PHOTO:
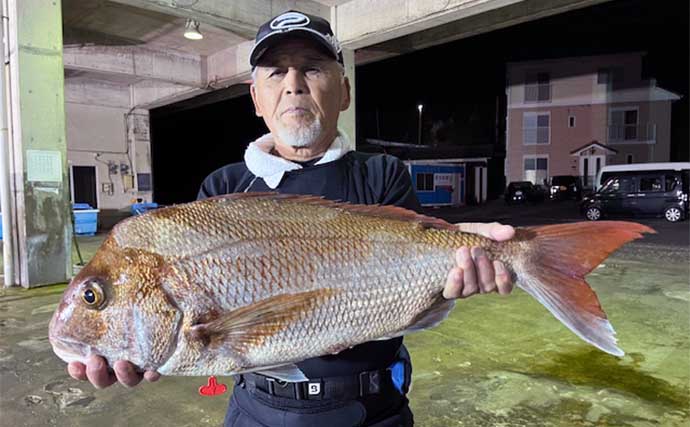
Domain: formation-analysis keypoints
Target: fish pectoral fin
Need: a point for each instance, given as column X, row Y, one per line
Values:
column 249, row 326
column 289, row 373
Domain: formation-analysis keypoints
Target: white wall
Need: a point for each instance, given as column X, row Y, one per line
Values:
column 97, row 135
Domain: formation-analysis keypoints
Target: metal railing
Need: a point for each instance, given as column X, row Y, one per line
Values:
column 630, row 133
column 538, row 92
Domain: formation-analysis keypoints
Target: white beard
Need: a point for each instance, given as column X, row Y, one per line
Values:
column 302, row 136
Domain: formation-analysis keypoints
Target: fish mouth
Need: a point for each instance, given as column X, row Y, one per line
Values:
column 70, row 350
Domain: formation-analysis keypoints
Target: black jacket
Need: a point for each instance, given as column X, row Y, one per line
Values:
column 356, row 178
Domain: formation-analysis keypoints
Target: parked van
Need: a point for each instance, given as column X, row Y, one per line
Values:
column 608, row 171
column 640, row 192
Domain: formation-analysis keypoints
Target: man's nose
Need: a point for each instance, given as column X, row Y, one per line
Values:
column 295, row 83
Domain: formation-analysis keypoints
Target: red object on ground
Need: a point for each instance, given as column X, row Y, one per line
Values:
column 212, row 388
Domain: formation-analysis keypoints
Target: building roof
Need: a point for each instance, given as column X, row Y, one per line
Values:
column 406, row 151
column 593, row 144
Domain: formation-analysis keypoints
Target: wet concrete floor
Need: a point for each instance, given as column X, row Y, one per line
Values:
column 496, row 361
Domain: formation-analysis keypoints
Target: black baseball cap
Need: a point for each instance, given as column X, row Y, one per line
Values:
column 294, row 23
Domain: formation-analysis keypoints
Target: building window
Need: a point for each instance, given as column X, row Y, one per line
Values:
column 425, row 182
column 536, row 169
column 623, row 125
column 537, row 87
column 571, row 121
column 144, row 181
column 535, row 128
column 612, row 77
column 629, row 158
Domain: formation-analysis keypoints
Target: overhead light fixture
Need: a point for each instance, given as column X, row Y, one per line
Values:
column 191, row 30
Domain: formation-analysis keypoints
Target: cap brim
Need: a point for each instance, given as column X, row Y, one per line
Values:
column 274, row 38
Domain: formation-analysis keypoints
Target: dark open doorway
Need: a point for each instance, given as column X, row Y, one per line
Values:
column 192, row 138
column 84, row 185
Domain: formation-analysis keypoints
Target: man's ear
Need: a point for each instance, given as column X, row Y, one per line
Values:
column 345, row 100
column 257, row 107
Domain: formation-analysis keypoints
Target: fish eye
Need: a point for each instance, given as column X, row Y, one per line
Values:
column 93, row 295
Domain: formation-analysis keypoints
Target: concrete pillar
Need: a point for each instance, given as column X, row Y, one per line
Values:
column 347, row 119
column 40, row 193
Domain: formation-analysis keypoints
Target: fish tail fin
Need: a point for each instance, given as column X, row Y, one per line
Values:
column 558, row 258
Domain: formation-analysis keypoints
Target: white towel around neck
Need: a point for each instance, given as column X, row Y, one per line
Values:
column 271, row 169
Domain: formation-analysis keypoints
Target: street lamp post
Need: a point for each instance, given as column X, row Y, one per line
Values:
column 420, row 107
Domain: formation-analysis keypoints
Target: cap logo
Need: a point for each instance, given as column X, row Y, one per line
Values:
column 289, row 20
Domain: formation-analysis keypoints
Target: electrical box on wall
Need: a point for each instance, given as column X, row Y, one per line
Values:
column 124, row 169
column 127, row 182
column 107, row 188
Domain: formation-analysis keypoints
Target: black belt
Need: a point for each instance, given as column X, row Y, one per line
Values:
column 337, row 388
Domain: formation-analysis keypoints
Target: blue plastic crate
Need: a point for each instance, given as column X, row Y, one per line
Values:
column 85, row 220
column 140, row 208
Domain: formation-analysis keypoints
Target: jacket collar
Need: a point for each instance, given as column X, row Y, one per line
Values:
column 271, row 168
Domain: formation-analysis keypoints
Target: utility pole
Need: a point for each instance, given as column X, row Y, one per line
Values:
column 420, row 107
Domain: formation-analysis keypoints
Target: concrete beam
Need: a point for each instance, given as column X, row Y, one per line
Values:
column 94, row 92
column 151, row 94
column 229, row 66
column 362, row 23
column 242, row 17
column 139, row 63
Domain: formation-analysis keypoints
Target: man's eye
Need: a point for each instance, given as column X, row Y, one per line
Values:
column 313, row 70
column 275, row 73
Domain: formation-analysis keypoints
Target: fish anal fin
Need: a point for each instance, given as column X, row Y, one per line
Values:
column 249, row 326
column 433, row 315
column 289, row 373
column 439, row 309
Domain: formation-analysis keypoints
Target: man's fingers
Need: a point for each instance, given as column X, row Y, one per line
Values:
column 77, row 370
column 453, row 287
column 485, row 271
column 97, row 372
column 504, row 282
column 125, row 373
column 492, row 230
column 152, row 376
column 469, row 274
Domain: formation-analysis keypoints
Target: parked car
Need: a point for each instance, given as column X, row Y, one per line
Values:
column 565, row 187
column 608, row 171
column 640, row 193
column 524, row 191
column 538, row 195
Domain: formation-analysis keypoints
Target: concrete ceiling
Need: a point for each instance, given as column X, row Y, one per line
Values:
column 138, row 46
column 105, row 23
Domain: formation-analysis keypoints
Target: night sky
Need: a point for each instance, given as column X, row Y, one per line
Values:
column 461, row 85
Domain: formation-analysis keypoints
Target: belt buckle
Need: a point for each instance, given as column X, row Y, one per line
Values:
column 369, row 383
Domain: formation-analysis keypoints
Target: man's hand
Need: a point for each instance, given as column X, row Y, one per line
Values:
column 474, row 272
column 96, row 371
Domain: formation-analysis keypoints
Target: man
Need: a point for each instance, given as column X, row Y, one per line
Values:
column 299, row 89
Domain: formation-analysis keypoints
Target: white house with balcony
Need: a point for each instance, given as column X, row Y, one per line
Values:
column 571, row 116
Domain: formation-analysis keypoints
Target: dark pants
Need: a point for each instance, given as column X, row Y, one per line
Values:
column 262, row 410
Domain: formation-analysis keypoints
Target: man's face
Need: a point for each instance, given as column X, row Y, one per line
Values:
column 299, row 91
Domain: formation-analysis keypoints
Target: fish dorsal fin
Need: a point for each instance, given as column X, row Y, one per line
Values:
column 379, row 211
column 250, row 325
